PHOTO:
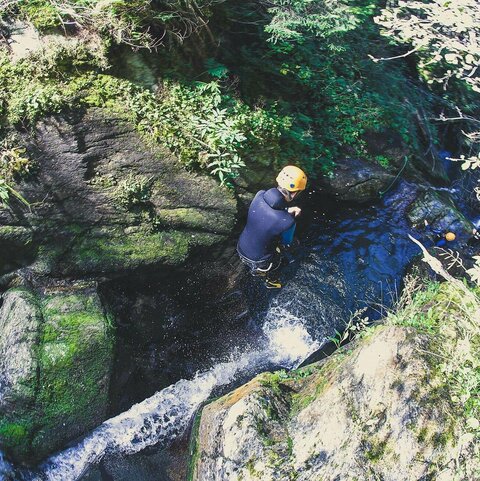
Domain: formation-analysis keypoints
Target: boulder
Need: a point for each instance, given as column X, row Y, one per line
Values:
column 104, row 202
column 356, row 180
column 375, row 411
column 56, row 352
column 441, row 213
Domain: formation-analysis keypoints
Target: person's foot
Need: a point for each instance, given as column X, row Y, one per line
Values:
column 271, row 284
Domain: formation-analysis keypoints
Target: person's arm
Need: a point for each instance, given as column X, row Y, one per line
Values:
column 286, row 238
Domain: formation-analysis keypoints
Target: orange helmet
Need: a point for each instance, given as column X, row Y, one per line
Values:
column 292, row 178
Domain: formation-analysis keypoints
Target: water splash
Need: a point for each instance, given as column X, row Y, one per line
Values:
column 166, row 414
column 288, row 339
column 6, row 470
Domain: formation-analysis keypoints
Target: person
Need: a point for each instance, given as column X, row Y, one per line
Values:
column 271, row 225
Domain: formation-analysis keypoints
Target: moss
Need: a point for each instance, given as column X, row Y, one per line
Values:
column 422, row 435
column 270, row 409
column 263, row 433
column 13, row 433
column 17, row 234
column 303, row 399
column 102, row 251
column 194, row 446
column 186, row 217
column 375, row 450
column 250, row 465
column 74, row 355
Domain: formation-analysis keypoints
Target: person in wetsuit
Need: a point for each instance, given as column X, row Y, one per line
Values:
column 271, row 224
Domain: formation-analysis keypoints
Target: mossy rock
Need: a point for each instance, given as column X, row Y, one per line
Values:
column 349, row 417
column 61, row 364
column 106, row 203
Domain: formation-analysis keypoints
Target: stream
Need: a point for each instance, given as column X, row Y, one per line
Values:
column 349, row 257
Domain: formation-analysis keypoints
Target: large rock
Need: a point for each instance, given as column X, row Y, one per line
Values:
column 103, row 202
column 441, row 213
column 56, row 351
column 356, row 180
column 374, row 412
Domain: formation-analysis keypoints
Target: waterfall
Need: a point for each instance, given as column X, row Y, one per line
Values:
column 166, row 414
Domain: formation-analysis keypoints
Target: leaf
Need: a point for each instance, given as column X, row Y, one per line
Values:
column 216, row 69
column 473, row 423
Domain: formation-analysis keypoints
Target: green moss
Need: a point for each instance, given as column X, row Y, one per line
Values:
column 13, row 433
column 263, row 433
column 17, row 234
column 70, row 394
column 250, row 465
column 186, row 217
column 422, row 435
column 375, row 450
column 194, row 448
column 43, row 15
column 103, row 251
column 75, row 355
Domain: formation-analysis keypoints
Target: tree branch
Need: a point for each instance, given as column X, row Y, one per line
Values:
column 376, row 60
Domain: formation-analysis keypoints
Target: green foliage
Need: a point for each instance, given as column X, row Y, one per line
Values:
column 134, row 190
column 304, row 100
column 204, row 127
column 45, row 82
column 445, row 37
column 215, row 69
column 313, row 57
column 383, row 161
column 138, row 23
column 357, row 324
column 43, row 14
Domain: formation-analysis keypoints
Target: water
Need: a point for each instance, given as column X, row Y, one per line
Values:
column 349, row 258
column 166, row 415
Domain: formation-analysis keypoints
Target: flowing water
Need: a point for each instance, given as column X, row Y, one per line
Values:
column 349, row 257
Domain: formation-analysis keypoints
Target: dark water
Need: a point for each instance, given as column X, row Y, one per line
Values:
column 349, row 257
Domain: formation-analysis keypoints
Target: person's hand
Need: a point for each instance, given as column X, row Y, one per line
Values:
column 295, row 211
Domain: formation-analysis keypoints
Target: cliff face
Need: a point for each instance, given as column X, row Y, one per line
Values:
column 376, row 411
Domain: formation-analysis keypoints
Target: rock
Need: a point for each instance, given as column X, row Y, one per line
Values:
column 356, row 180
column 104, row 203
column 418, row 168
column 373, row 412
column 20, row 324
column 56, row 351
column 439, row 210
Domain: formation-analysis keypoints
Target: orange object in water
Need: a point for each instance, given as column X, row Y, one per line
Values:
column 450, row 236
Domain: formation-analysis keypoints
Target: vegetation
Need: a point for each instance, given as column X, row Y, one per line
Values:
column 138, row 23
column 449, row 314
column 279, row 87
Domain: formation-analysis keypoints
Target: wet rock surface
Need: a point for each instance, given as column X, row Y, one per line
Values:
column 103, row 202
column 441, row 214
column 56, row 352
column 356, row 180
column 372, row 412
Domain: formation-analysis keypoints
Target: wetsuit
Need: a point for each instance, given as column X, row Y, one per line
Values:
column 268, row 224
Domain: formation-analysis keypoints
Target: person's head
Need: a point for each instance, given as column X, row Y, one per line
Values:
column 291, row 181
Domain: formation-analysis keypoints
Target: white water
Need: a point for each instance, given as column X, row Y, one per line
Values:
column 5, row 468
column 167, row 413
